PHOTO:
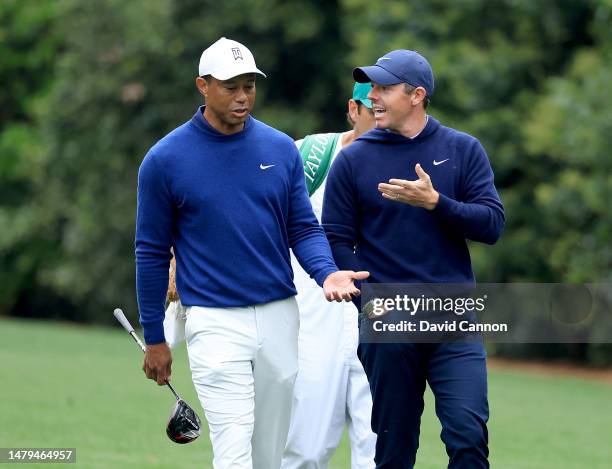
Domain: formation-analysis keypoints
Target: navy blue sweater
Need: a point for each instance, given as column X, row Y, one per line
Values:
column 399, row 243
column 232, row 206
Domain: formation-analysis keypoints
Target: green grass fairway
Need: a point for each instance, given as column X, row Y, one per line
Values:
column 72, row 386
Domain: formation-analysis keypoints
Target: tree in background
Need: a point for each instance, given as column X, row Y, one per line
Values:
column 526, row 78
column 570, row 131
column 90, row 86
column 29, row 47
column 125, row 78
column 491, row 61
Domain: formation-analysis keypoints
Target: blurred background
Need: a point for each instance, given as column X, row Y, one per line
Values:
column 88, row 86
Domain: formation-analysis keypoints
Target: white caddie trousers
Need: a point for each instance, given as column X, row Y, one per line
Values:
column 243, row 365
column 331, row 389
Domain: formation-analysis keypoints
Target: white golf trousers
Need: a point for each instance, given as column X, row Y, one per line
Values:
column 331, row 389
column 243, row 364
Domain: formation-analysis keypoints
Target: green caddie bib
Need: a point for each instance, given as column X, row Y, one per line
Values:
column 317, row 151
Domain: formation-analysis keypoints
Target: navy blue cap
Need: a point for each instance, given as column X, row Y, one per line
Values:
column 398, row 66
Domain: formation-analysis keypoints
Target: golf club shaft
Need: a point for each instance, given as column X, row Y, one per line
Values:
column 138, row 341
column 118, row 313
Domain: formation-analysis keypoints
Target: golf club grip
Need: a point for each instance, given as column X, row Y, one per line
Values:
column 128, row 327
column 119, row 316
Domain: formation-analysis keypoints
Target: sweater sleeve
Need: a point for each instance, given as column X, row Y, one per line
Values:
column 154, row 220
column 478, row 214
column 339, row 216
column 306, row 237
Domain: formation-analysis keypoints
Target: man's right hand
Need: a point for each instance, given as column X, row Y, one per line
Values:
column 158, row 363
column 340, row 285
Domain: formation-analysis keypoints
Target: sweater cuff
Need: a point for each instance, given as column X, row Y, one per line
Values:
column 154, row 333
column 320, row 278
column 444, row 207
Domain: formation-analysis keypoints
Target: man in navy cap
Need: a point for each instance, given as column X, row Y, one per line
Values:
column 401, row 202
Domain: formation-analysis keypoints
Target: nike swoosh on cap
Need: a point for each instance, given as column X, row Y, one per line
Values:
column 436, row 163
column 262, row 166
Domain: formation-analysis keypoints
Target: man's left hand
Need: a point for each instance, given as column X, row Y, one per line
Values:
column 419, row 193
column 339, row 286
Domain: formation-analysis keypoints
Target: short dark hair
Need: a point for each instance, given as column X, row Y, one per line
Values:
column 409, row 89
column 348, row 116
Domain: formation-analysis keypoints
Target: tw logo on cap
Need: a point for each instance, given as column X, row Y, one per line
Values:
column 237, row 54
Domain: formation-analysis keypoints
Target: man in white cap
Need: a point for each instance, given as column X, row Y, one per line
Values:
column 227, row 193
column 331, row 388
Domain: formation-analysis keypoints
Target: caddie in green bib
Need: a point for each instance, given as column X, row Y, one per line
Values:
column 316, row 152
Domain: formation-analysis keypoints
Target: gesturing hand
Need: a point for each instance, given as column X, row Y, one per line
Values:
column 419, row 193
column 339, row 286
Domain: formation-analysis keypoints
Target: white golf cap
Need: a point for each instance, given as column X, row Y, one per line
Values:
column 226, row 59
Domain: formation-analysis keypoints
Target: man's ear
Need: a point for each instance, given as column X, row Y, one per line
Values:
column 202, row 86
column 353, row 109
column 418, row 96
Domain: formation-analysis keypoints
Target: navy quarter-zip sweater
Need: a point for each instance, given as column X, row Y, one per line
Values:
column 399, row 243
column 232, row 206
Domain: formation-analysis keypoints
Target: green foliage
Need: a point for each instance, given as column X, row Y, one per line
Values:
column 571, row 127
column 29, row 47
column 88, row 87
column 490, row 60
column 102, row 117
